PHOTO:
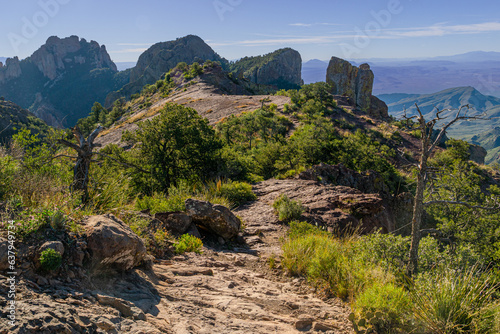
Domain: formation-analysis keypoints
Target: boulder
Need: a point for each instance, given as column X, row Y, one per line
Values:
column 4, row 253
column 55, row 245
column 477, row 154
column 216, row 218
column 175, row 222
column 113, row 245
column 378, row 108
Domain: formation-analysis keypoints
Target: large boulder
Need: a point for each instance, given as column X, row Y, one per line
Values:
column 175, row 222
column 113, row 245
column 216, row 218
column 4, row 253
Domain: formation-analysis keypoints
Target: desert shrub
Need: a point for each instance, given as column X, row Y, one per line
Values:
column 299, row 229
column 236, row 193
column 383, row 308
column 50, row 259
column 456, row 301
column 287, row 209
column 188, row 243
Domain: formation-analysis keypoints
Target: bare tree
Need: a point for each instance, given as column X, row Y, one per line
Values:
column 428, row 146
column 84, row 149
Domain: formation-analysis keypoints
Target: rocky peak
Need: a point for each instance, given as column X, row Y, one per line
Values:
column 357, row 84
column 57, row 54
column 161, row 57
column 12, row 69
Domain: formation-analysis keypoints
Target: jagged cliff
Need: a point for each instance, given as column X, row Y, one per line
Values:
column 161, row 58
column 357, row 84
column 281, row 68
column 61, row 80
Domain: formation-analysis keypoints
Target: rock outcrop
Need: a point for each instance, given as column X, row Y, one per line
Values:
column 113, row 244
column 477, row 153
column 281, row 69
column 161, row 58
column 357, row 84
column 57, row 54
column 216, row 218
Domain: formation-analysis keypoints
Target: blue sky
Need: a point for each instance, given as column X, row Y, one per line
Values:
column 236, row 28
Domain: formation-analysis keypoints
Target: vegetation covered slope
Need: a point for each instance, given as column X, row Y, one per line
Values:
column 179, row 155
column 14, row 118
column 482, row 133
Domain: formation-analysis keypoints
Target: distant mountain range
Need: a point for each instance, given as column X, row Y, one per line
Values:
column 483, row 133
column 122, row 66
column 424, row 76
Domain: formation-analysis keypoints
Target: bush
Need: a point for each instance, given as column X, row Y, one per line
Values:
column 236, row 192
column 287, row 209
column 456, row 301
column 50, row 259
column 383, row 308
column 188, row 243
column 300, row 229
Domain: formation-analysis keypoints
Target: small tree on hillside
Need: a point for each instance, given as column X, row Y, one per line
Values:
column 428, row 145
column 84, row 149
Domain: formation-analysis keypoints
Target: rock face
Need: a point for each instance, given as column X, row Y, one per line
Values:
column 176, row 222
column 61, row 80
column 366, row 182
column 477, row 153
column 357, row 84
column 281, row 68
column 113, row 244
column 57, row 54
column 161, row 58
column 216, row 218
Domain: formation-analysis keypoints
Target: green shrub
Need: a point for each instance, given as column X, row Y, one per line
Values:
column 50, row 259
column 287, row 209
column 456, row 301
column 236, row 192
column 384, row 308
column 188, row 243
column 299, row 229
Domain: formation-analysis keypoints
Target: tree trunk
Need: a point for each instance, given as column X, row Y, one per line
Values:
column 418, row 208
column 82, row 166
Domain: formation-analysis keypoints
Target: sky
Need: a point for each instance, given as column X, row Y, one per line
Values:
column 356, row 29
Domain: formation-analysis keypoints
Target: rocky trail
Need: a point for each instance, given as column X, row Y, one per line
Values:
column 227, row 289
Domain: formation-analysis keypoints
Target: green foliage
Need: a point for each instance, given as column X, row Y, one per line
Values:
column 300, row 229
column 248, row 65
column 383, row 308
column 287, row 209
column 236, row 192
column 178, row 144
column 102, row 116
column 456, row 302
column 177, row 195
column 50, row 260
column 188, row 243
